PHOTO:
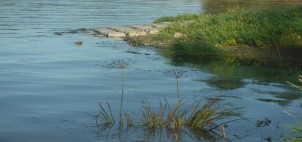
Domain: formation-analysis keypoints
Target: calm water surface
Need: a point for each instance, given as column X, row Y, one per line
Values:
column 50, row 87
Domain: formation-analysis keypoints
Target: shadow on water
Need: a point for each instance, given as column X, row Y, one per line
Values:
column 225, row 83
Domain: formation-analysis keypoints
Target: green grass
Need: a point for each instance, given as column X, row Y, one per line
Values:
column 196, row 116
column 268, row 30
column 297, row 129
column 197, row 48
column 179, row 18
column 273, row 27
column 201, row 120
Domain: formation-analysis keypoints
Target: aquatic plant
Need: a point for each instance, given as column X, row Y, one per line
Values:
column 297, row 129
column 195, row 116
column 263, row 123
column 106, row 116
column 177, row 73
column 296, row 86
column 119, row 64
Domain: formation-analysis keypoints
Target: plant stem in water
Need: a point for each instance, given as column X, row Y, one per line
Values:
column 177, row 88
column 122, row 98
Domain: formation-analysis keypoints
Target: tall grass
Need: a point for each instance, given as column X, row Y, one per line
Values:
column 105, row 115
column 197, row 48
column 117, row 64
column 267, row 29
column 296, row 86
column 195, row 116
column 179, row 18
column 295, row 129
column 177, row 73
column 202, row 120
column 272, row 27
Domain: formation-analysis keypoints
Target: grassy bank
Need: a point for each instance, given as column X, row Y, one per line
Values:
column 270, row 36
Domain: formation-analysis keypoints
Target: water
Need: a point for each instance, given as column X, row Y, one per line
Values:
column 50, row 87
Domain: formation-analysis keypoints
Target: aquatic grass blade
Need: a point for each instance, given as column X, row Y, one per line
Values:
column 104, row 115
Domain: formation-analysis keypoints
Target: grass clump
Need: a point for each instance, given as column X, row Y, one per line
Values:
column 197, row 48
column 178, row 18
column 201, row 121
column 105, row 116
column 196, row 116
column 270, row 30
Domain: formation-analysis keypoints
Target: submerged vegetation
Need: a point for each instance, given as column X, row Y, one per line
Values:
column 271, row 36
column 200, row 120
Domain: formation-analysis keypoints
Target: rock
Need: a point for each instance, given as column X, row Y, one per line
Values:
column 178, row 35
column 79, row 43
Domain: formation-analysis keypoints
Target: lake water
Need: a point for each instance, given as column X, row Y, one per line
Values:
column 50, row 87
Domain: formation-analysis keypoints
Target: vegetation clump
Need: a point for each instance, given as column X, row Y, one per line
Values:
column 249, row 36
column 195, row 117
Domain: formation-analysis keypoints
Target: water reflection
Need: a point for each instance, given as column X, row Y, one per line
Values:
column 227, row 83
column 260, row 75
column 282, row 99
column 140, row 133
column 217, row 6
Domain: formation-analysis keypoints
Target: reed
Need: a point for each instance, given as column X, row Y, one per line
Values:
column 195, row 117
column 296, row 86
column 105, row 115
column 177, row 73
column 121, row 64
column 296, row 129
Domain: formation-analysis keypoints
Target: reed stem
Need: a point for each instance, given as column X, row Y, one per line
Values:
column 177, row 87
column 122, row 97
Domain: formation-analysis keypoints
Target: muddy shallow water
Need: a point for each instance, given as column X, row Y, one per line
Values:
column 50, row 87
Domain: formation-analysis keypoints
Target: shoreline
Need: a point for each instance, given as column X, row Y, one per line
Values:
column 280, row 58
column 238, row 36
